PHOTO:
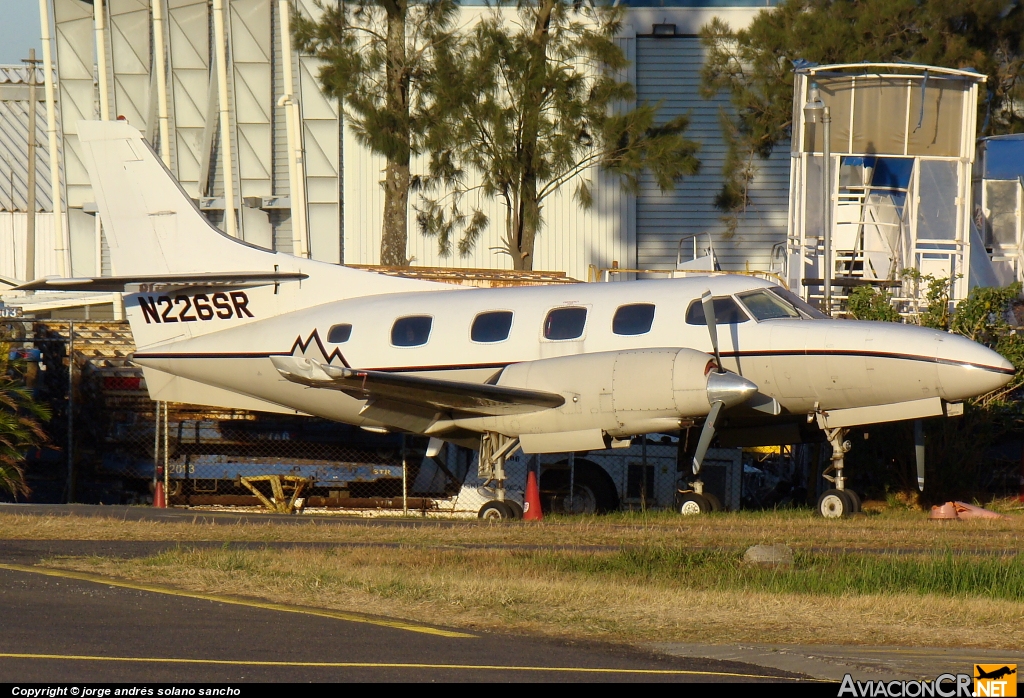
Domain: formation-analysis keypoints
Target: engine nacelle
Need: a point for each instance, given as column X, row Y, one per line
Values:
column 618, row 393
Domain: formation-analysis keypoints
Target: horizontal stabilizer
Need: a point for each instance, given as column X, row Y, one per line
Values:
column 441, row 395
column 236, row 279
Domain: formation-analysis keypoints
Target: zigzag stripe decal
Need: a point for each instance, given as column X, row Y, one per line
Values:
column 301, row 347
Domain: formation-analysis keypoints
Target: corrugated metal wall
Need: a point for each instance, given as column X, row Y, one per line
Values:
column 14, row 142
column 668, row 70
column 13, row 228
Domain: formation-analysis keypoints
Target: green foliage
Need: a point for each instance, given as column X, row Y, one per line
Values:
column 938, row 291
column 956, row 449
column 533, row 104
column 20, row 428
column 870, row 303
column 754, row 66
column 811, row 573
column 377, row 56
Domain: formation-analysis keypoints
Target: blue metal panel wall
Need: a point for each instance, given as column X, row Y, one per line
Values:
column 668, row 70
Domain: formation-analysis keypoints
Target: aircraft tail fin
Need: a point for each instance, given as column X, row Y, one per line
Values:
column 154, row 230
column 151, row 224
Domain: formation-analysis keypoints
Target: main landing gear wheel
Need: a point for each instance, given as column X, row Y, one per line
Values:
column 515, row 508
column 854, row 500
column 691, row 504
column 716, row 504
column 495, row 511
column 835, row 504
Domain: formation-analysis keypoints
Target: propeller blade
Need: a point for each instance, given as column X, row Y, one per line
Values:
column 708, row 303
column 919, row 452
column 706, row 435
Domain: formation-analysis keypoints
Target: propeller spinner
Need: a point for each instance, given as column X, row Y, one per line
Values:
column 725, row 389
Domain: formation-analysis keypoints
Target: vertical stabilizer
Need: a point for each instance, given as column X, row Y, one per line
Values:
column 153, row 228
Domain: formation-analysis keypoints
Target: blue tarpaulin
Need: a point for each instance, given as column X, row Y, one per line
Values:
column 1002, row 157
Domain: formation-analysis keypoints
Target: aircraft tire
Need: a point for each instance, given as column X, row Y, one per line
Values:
column 693, row 504
column 594, row 489
column 716, row 504
column 495, row 511
column 854, row 501
column 834, row 504
column 515, row 508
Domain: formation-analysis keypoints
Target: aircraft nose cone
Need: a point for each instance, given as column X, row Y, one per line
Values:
column 968, row 369
column 729, row 388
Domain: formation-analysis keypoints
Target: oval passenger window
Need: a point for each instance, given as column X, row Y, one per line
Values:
column 339, row 334
column 565, row 323
column 633, row 319
column 411, row 331
column 491, row 327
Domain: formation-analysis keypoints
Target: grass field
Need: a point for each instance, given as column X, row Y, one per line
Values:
column 888, row 578
column 893, row 528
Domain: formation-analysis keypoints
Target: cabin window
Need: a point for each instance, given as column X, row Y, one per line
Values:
column 411, row 331
column 339, row 334
column 565, row 323
column 633, row 319
column 727, row 312
column 767, row 306
column 491, row 327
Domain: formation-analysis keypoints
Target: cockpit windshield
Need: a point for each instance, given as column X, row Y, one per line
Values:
column 778, row 303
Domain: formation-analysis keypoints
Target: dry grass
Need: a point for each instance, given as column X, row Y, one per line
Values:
column 891, row 529
column 547, row 593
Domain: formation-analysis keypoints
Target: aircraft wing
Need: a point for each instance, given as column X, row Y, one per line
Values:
column 416, row 391
column 118, row 283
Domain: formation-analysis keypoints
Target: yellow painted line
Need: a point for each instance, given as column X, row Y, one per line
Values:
column 237, row 601
column 384, row 665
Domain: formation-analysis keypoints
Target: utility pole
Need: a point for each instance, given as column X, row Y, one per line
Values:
column 30, row 231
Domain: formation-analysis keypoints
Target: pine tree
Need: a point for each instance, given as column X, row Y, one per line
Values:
column 754, row 66
column 540, row 103
column 377, row 54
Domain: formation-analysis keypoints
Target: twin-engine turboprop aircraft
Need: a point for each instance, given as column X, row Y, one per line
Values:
column 544, row 369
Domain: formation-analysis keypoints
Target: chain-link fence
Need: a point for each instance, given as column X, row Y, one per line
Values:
column 122, row 444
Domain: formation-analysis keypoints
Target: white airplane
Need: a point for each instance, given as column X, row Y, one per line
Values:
column 545, row 369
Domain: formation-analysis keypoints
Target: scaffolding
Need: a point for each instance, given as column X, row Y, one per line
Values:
column 900, row 151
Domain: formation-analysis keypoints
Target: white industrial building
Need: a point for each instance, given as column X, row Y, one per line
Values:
column 317, row 190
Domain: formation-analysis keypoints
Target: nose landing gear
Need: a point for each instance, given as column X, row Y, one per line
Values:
column 838, row 502
column 696, row 500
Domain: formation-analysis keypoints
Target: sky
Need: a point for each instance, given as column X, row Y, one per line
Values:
column 19, row 30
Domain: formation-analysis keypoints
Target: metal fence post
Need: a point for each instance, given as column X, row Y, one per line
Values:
column 167, row 474
column 405, row 480
column 643, row 477
column 156, row 447
column 572, row 482
column 71, row 411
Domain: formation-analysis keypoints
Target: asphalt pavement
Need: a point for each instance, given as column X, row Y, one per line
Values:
column 68, row 627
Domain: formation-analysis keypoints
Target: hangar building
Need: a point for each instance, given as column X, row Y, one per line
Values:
column 106, row 57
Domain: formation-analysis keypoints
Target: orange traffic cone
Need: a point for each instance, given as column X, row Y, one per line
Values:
column 531, row 502
column 158, row 496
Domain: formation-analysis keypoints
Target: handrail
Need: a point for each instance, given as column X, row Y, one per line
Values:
column 679, row 248
column 598, row 274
